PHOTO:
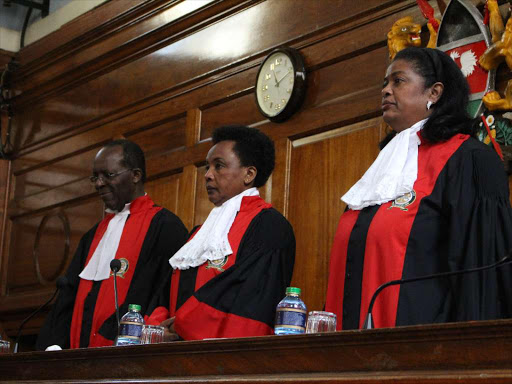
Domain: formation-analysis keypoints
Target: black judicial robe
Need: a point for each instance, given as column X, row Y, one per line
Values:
column 236, row 296
column 84, row 313
column 457, row 217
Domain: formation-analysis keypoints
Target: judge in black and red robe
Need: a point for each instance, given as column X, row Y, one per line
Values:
column 135, row 231
column 230, row 276
column 435, row 200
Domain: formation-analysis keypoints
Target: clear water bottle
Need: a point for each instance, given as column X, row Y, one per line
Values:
column 291, row 314
column 130, row 326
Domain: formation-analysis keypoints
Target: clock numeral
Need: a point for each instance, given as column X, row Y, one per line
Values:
column 291, row 80
column 272, row 67
column 283, row 101
column 289, row 90
column 278, row 61
column 264, row 88
column 266, row 98
column 278, row 107
column 290, row 69
column 267, row 76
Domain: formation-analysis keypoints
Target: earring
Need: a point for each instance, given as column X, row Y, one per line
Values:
column 429, row 104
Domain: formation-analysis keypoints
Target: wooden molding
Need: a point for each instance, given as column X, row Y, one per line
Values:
column 66, row 73
column 475, row 352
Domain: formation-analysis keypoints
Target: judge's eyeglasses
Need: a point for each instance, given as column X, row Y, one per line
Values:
column 106, row 177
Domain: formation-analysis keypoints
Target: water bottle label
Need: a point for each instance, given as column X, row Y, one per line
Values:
column 130, row 329
column 291, row 318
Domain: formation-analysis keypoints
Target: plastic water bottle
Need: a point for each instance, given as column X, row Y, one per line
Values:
column 130, row 326
column 291, row 314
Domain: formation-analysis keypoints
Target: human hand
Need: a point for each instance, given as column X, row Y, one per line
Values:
column 169, row 332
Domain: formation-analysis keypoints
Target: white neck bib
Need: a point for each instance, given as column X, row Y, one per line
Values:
column 391, row 175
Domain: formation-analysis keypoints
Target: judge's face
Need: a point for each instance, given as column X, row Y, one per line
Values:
column 404, row 97
column 115, row 182
column 225, row 176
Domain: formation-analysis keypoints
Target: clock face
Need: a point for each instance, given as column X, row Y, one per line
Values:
column 275, row 83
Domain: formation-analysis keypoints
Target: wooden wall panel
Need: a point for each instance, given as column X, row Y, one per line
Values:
column 22, row 273
column 53, row 184
column 203, row 205
column 165, row 191
column 227, row 43
column 162, row 13
column 242, row 110
column 161, row 138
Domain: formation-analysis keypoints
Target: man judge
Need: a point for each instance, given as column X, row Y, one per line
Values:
column 135, row 231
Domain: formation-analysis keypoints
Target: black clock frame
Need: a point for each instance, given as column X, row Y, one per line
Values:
column 299, row 85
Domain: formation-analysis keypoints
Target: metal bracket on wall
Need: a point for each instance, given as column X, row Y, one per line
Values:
column 44, row 7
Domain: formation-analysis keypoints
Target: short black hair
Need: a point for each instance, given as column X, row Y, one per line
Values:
column 449, row 115
column 133, row 155
column 252, row 147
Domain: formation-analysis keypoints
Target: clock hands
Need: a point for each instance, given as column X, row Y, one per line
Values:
column 282, row 78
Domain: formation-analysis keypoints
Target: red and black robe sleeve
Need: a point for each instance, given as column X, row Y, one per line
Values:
column 457, row 217
column 238, row 296
column 95, row 324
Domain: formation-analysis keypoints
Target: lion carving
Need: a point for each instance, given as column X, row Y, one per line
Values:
column 404, row 33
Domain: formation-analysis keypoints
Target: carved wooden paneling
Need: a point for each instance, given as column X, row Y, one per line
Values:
column 52, row 184
column 164, row 191
column 22, row 274
column 242, row 110
column 214, row 49
column 203, row 205
column 155, row 140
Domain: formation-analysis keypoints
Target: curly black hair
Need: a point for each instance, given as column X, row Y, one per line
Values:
column 133, row 156
column 252, row 147
column 449, row 115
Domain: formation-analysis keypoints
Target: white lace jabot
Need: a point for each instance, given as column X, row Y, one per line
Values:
column 211, row 241
column 391, row 175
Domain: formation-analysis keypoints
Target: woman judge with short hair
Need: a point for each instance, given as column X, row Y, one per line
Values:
column 232, row 273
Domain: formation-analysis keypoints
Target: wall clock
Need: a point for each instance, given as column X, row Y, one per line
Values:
column 281, row 84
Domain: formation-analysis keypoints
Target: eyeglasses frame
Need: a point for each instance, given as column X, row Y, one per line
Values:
column 108, row 177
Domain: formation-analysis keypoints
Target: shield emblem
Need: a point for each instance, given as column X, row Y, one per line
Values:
column 464, row 36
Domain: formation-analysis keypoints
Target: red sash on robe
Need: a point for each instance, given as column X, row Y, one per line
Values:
column 142, row 211
column 381, row 245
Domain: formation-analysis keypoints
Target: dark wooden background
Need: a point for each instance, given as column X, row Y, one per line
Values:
column 165, row 73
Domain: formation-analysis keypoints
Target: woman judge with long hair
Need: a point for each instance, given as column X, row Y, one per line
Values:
column 435, row 200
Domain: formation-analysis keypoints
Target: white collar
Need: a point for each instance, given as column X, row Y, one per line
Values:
column 98, row 267
column 211, row 241
column 391, row 175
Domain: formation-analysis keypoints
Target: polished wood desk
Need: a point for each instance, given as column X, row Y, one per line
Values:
column 477, row 352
